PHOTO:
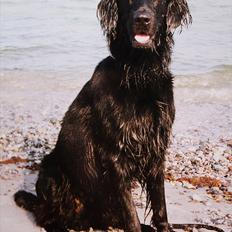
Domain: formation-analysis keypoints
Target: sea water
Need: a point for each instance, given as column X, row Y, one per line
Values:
column 64, row 36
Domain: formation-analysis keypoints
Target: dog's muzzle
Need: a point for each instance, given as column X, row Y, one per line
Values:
column 142, row 32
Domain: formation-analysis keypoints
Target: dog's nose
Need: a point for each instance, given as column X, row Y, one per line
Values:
column 142, row 18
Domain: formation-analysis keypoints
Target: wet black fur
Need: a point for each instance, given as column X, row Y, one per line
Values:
column 116, row 130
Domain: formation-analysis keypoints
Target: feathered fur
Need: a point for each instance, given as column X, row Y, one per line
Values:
column 117, row 129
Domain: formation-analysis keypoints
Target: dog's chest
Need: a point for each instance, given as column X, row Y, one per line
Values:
column 144, row 137
column 135, row 133
column 136, row 136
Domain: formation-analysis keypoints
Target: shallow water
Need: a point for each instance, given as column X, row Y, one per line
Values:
column 64, row 38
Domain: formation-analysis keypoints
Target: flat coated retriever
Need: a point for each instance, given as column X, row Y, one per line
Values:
column 117, row 129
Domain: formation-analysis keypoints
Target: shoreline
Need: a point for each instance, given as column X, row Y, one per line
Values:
column 201, row 147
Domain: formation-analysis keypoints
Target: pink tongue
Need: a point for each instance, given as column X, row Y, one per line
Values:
column 142, row 38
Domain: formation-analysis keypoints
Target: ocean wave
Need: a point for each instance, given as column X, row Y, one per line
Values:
column 219, row 76
column 20, row 50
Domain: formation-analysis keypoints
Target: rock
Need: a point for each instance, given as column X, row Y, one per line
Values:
column 195, row 230
column 192, row 149
column 229, row 143
column 217, row 157
column 218, row 198
column 197, row 198
column 207, row 203
column 187, row 185
column 220, row 168
column 200, row 153
column 218, row 150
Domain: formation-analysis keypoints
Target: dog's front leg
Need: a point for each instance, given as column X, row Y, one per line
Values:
column 156, row 191
column 129, row 213
column 122, row 195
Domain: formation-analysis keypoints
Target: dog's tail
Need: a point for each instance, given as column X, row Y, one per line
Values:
column 26, row 200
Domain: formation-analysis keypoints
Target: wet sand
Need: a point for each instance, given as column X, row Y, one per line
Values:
column 199, row 161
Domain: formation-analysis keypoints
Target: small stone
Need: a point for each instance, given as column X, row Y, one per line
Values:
column 200, row 153
column 218, row 151
column 192, row 149
column 197, row 198
column 228, row 152
column 229, row 143
column 217, row 157
column 207, row 203
column 187, row 185
column 37, row 161
column 218, row 167
column 218, row 198
column 215, row 190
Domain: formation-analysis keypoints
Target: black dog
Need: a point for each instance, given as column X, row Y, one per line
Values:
column 117, row 129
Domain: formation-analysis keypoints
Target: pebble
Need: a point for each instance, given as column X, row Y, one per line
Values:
column 217, row 157
column 187, row 185
column 195, row 230
column 218, row 151
column 197, row 198
column 207, row 203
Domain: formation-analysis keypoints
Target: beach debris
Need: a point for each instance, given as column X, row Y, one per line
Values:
column 187, row 185
column 14, row 160
column 203, row 181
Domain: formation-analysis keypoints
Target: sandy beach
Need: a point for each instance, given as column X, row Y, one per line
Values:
column 199, row 161
column 48, row 50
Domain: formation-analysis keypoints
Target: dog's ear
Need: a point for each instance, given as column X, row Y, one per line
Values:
column 178, row 14
column 107, row 12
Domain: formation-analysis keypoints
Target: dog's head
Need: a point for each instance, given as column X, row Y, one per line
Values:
column 142, row 22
